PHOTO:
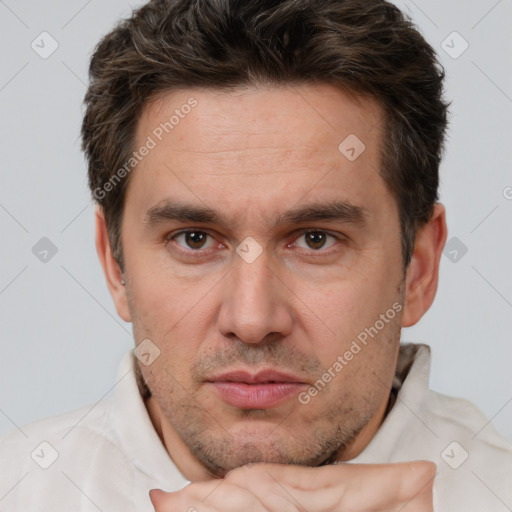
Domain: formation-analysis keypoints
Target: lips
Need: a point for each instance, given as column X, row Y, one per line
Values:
column 262, row 390
column 262, row 377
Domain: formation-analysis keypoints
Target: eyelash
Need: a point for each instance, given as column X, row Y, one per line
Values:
column 339, row 238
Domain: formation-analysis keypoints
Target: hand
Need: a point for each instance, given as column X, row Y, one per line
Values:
column 405, row 487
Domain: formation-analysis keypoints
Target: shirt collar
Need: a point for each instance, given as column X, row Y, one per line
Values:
column 412, row 384
column 138, row 437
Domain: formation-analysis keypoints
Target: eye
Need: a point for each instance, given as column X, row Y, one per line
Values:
column 194, row 240
column 315, row 240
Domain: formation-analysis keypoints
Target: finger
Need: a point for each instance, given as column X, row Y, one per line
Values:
column 364, row 487
column 364, row 498
column 271, row 493
column 407, row 474
column 377, row 487
column 211, row 496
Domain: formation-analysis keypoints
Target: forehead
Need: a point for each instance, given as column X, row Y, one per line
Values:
column 260, row 146
column 306, row 116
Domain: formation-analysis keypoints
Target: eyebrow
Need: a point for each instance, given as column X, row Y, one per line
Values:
column 340, row 211
column 167, row 210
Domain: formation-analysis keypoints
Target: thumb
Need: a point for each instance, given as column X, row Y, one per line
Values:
column 156, row 495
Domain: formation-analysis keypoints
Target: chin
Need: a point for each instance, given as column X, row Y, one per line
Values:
column 228, row 453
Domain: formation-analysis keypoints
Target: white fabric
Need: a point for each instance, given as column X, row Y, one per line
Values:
column 109, row 455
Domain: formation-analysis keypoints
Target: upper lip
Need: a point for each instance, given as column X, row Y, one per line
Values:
column 261, row 377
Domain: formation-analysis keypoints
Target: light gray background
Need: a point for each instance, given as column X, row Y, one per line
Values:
column 61, row 339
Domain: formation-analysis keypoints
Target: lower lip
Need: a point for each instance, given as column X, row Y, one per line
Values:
column 256, row 396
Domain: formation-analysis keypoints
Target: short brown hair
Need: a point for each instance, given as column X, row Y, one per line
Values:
column 367, row 46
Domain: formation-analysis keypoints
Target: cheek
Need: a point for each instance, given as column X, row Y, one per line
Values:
column 158, row 316
column 336, row 313
column 356, row 375
column 166, row 301
column 179, row 318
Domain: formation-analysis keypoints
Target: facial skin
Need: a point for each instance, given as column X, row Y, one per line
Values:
column 252, row 156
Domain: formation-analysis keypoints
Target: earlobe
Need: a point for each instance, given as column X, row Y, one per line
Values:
column 110, row 266
column 423, row 271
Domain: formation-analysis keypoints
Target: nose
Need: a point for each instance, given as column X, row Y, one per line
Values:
column 256, row 303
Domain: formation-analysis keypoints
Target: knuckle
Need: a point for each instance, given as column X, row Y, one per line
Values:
column 245, row 474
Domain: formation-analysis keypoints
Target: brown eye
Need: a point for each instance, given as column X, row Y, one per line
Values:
column 315, row 239
column 194, row 240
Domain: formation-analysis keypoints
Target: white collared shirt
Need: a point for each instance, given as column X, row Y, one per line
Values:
column 108, row 456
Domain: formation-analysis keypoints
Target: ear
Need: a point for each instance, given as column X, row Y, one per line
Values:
column 423, row 272
column 110, row 266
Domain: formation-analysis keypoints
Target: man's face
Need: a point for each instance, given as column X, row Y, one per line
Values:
column 322, row 268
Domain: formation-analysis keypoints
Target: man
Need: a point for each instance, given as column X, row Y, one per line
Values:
column 266, row 181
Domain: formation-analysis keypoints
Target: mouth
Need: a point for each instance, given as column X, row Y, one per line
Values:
column 263, row 390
